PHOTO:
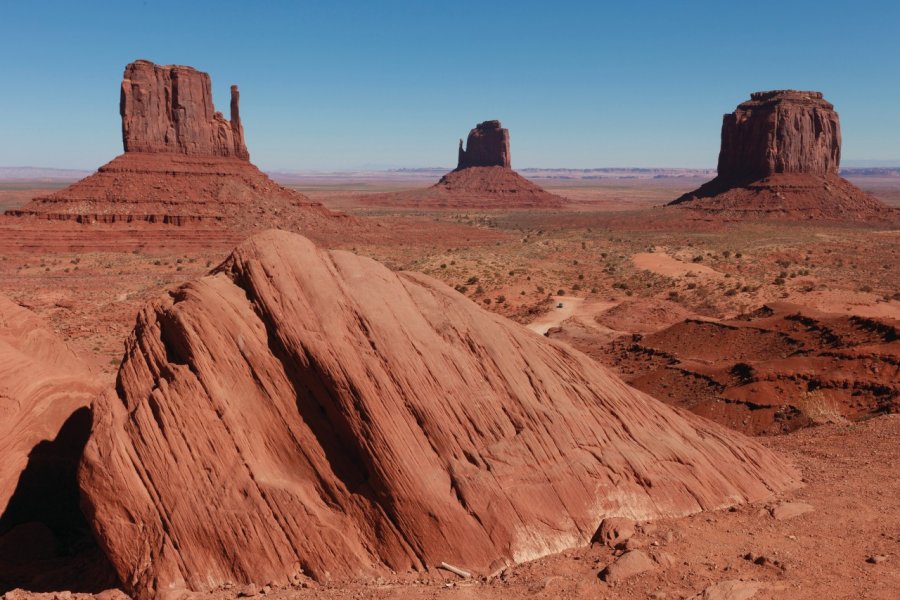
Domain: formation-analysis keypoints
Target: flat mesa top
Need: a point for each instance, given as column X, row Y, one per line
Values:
column 149, row 63
column 786, row 96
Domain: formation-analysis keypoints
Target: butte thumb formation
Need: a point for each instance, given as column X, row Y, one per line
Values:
column 780, row 159
column 184, row 163
column 483, row 178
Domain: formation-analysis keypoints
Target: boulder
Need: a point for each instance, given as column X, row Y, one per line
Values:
column 614, row 531
column 789, row 510
column 633, row 562
column 308, row 411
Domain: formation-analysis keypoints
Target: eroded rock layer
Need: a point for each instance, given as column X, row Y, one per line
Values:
column 779, row 159
column 308, row 413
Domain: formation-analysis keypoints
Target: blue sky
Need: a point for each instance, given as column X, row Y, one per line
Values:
column 348, row 85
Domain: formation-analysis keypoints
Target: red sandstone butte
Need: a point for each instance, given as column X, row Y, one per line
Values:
column 302, row 412
column 170, row 109
column 483, row 178
column 184, row 164
column 487, row 146
column 780, row 158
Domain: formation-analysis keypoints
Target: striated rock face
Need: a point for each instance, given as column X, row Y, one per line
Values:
column 303, row 411
column 782, row 131
column 170, row 109
column 487, row 146
column 780, row 158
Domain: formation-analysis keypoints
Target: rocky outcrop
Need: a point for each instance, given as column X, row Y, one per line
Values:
column 45, row 394
column 184, row 164
column 487, row 146
column 783, row 131
column 772, row 371
column 170, row 109
column 303, row 413
column 779, row 159
column 42, row 385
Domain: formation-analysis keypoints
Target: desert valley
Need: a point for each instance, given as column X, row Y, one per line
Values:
column 475, row 383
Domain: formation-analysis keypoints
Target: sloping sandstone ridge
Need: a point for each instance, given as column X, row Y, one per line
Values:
column 301, row 412
column 184, row 163
column 483, row 178
column 45, row 393
column 780, row 158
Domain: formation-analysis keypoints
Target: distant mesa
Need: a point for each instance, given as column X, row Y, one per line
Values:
column 780, row 158
column 487, row 146
column 483, row 178
column 782, row 131
column 184, row 163
column 302, row 413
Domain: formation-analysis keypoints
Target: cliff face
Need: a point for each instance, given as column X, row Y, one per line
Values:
column 487, row 146
column 782, row 131
column 170, row 109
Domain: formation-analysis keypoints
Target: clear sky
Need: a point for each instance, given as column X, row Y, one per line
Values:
column 383, row 84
